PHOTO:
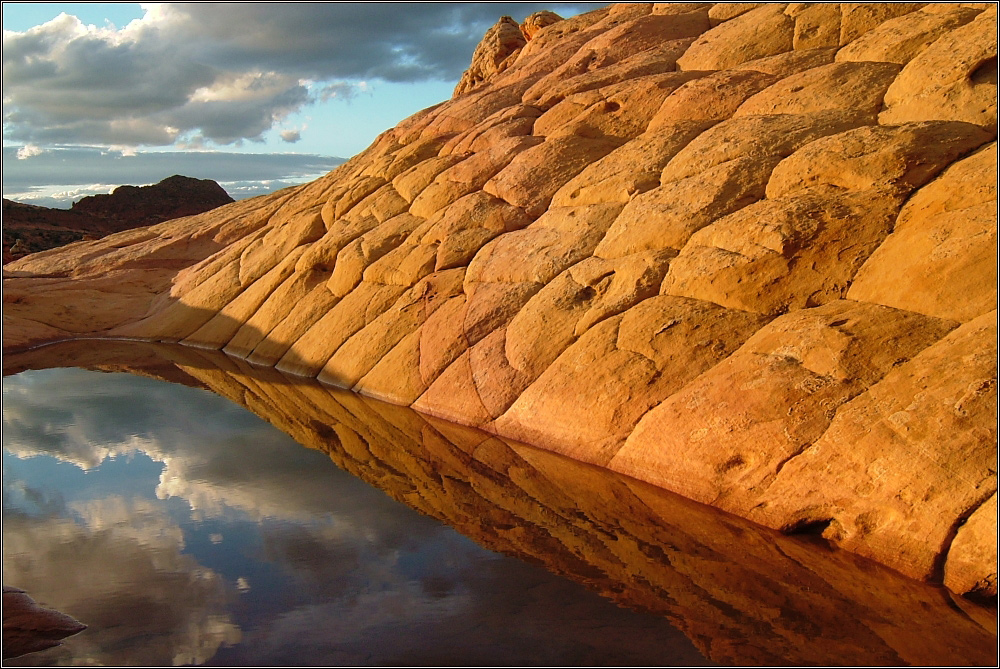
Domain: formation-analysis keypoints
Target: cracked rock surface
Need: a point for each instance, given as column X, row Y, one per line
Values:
column 743, row 252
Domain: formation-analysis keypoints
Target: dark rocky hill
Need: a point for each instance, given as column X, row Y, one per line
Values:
column 29, row 228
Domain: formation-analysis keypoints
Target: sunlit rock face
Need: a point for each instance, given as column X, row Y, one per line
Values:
column 745, row 253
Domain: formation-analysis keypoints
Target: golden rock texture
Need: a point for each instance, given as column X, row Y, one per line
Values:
column 744, row 252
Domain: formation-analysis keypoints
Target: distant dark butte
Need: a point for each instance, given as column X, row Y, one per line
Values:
column 30, row 229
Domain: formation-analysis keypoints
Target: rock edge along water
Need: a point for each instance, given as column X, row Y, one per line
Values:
column 745, row 253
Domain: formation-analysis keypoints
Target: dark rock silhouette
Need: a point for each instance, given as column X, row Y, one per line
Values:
column 29, row 228
column 130, row 206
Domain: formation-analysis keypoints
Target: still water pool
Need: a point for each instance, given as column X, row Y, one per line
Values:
column 275, row 521
column 183, row 529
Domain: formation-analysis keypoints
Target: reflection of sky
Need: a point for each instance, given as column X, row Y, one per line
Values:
column 183, row 529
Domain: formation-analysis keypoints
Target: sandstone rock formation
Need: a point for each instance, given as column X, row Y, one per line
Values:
column 176, row 196
column 742, row 252
column 31, row 228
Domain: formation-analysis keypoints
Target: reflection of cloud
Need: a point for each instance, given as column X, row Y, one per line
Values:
column 216, row 456
column 58, row 413
column 335, row 565
column 137, row 520
column 402, row 609
column 70, row 447
column 233, row 475
column 338, row 538
column 121, row 571
column 441, row 603
column 44, row 501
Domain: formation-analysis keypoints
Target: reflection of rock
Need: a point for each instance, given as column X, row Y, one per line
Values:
column 28, row 627
column 744, row 594
column 354, row 563
column 213, row 457
column 712, row 247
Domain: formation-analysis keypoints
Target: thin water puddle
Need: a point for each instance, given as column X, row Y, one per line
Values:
column 184, row 527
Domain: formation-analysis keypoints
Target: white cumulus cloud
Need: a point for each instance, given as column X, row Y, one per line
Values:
column 29, row 151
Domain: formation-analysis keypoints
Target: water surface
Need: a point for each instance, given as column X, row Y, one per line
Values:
column 185, row 529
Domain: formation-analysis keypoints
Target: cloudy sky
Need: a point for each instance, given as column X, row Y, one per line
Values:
column 254, row 95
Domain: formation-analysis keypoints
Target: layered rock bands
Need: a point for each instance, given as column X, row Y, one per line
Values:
column 744, row 252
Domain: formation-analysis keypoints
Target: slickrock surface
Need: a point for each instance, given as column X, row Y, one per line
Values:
column 743, row 252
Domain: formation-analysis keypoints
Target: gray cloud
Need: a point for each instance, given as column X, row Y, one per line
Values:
column 225, row 72
column 392, row 41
